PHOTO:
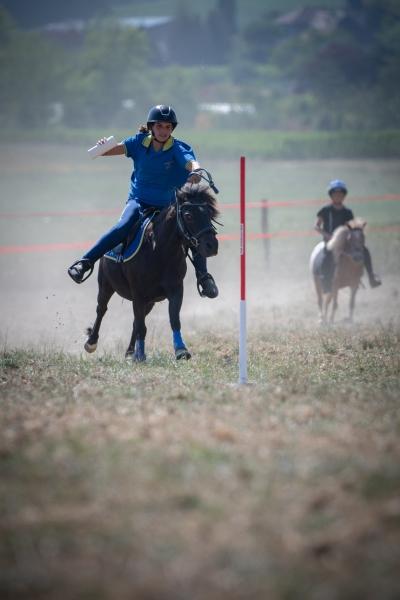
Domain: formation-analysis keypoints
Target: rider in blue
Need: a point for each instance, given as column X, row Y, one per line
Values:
column 161, row 164
column 330, row 217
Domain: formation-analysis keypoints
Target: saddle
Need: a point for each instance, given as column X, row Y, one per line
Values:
column 129, row 248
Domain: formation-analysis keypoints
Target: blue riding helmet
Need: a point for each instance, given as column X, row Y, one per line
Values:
column 337, row 185
column 162, row 113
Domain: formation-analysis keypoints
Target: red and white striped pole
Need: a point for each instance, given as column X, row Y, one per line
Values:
column 242, row 324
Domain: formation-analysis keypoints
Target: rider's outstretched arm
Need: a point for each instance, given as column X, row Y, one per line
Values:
column 118, row 149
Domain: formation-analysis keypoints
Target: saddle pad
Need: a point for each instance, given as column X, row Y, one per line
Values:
column 121, row 254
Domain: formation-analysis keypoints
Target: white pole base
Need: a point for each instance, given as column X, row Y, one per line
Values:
column 243, row 344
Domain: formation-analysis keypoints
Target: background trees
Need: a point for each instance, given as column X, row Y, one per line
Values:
column 331, row 69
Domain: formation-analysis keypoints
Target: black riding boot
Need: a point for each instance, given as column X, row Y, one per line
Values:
column 374, row 281
column 79, row 268
column 205, row 282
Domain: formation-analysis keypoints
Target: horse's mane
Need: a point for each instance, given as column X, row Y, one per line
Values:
column 189, row 193
column 339, row 236
column 357, row 223
column 338, row 239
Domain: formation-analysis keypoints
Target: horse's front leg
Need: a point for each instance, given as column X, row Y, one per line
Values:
column 334, row 305
column 352, row 304
column 174, row 307
column 136, row 348
column 103, row 297
column 326, row 300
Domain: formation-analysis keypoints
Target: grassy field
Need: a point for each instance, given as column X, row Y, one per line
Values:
column 167, row 481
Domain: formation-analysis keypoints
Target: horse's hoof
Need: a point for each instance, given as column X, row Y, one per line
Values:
column 135, row 357
column 139, row 358
column 182, row 353
column 90, row 347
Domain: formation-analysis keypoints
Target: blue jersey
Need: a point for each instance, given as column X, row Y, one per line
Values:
column 156, row 175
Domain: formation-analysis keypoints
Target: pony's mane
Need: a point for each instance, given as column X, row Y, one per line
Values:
column 339, row 236
column 189, row 193
column 338, row 239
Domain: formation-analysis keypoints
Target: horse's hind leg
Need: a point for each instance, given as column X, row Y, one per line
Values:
column 136, row 348
column 103, row 298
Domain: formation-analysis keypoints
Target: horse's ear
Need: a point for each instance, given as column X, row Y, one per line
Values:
column 356, row 223
column 359, row 223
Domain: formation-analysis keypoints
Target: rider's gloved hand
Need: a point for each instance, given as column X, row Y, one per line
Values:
column 326, row 236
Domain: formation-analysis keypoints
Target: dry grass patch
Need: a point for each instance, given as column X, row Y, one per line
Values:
column 165, row 480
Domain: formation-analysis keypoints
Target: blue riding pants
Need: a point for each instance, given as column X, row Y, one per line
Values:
column 118, row 233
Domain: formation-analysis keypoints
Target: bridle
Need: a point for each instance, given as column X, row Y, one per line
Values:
column 355, row 251
column 192, row 240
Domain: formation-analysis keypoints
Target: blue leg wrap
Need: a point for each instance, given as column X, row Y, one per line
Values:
column 178, row 341
column 139, row 347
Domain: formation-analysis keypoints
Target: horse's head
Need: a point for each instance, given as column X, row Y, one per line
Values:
column 356, row 239
column 196, row 210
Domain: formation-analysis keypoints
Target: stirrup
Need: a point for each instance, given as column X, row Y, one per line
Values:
column 83, row 261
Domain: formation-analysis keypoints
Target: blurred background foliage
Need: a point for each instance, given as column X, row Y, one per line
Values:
column 268, row 64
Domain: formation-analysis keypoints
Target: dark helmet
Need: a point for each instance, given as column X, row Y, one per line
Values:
column 163, row 113
column 337, row 185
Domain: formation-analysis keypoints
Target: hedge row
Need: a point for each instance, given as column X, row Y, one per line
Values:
column 261, row 144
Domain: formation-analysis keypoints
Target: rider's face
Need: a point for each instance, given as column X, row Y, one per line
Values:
column 162, row 131
column 338, row 198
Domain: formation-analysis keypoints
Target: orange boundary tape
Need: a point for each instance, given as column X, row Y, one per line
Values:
column 224, row 237
column 223, row 206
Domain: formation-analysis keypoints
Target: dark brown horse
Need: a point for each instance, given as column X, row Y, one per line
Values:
column 347, row 247
column 158, row 270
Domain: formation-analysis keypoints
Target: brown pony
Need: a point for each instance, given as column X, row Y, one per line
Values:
column 347, row 247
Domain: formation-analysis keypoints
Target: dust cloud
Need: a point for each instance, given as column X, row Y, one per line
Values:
column 40, row 307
